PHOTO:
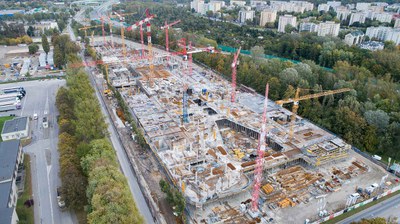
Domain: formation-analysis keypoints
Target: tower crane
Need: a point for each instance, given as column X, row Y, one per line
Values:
column 234, row 66
column 89, row 27
column 140, row 25
column 298, row 98
column 260, row 155
column 121, row 18
column 166, row 27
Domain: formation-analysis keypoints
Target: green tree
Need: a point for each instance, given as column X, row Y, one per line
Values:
column 30, row 31
column 33, row 48
column 45, row 44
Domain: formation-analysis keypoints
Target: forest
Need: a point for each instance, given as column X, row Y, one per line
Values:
column 89, row 170
column 368, row 117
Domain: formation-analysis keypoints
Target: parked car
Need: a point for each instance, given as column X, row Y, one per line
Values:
column 60, row 200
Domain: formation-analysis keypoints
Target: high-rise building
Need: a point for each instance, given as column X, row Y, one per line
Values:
column 292, row 6
column 342, row 12
column 267, row 16
column 357, row 17
column 328, row 28
column 308, row 27
column 286, row 20
column 238, row 3
column 362, row 6
column 197, row 5
column 384, row 34
column 200, row 7
column 334, row 4
column 245, row 15
column 397, row 23
column 323, row 7
column 383, row 17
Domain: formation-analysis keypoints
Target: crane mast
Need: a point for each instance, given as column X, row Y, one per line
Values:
column 166, row 27
column 234, row 66
column 260, row 155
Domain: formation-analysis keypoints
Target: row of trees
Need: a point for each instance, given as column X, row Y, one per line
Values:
column 174, row 198
column 88, row 166
column 63, row 47
column 15, row 41
column 368, row 117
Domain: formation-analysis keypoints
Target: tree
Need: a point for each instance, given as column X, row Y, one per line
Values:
column 377, row 118
column 33, row 48
column 30, row 31
column 289, row 28
column 257, row 52
column 210, row 13
column 45, row 44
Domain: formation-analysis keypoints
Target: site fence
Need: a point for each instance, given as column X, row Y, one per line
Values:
column 334, row 215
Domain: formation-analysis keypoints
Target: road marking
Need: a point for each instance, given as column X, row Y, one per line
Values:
column 23, row 105
column 48, row 184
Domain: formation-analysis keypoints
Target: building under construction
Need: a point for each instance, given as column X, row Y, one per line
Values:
column 211, row 156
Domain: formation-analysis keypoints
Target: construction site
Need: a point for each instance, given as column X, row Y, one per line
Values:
column 234, row 154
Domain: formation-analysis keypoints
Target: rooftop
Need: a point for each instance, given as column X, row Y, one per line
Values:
column 5, row 189
column 6, row 215
column 14, row 125
column 8, row 157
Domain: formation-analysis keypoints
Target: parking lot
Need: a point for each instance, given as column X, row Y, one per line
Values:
column 40, row 99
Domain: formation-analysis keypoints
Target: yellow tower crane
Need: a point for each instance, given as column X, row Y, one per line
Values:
column 89, row 27
column 121, row 18
column 298, row 98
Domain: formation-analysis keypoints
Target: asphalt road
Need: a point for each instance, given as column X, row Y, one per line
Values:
column 385, row 209
column 40, row 99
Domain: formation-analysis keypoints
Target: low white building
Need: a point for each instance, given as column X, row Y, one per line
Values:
column 354, row 38
column 11, row 157
column 328, row 28
column 16, row 128
column 372, row 45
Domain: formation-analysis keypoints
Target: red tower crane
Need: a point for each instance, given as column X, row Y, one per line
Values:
column 140, row 25
column 234, row 66
column 260, row 155
column 166, row 27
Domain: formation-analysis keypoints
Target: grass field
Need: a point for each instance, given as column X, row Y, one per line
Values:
column 25, row 214
column 2, row 120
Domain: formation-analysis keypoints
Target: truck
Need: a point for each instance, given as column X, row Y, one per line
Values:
column 10, row 96
column 20, row 90
column 10, row 105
